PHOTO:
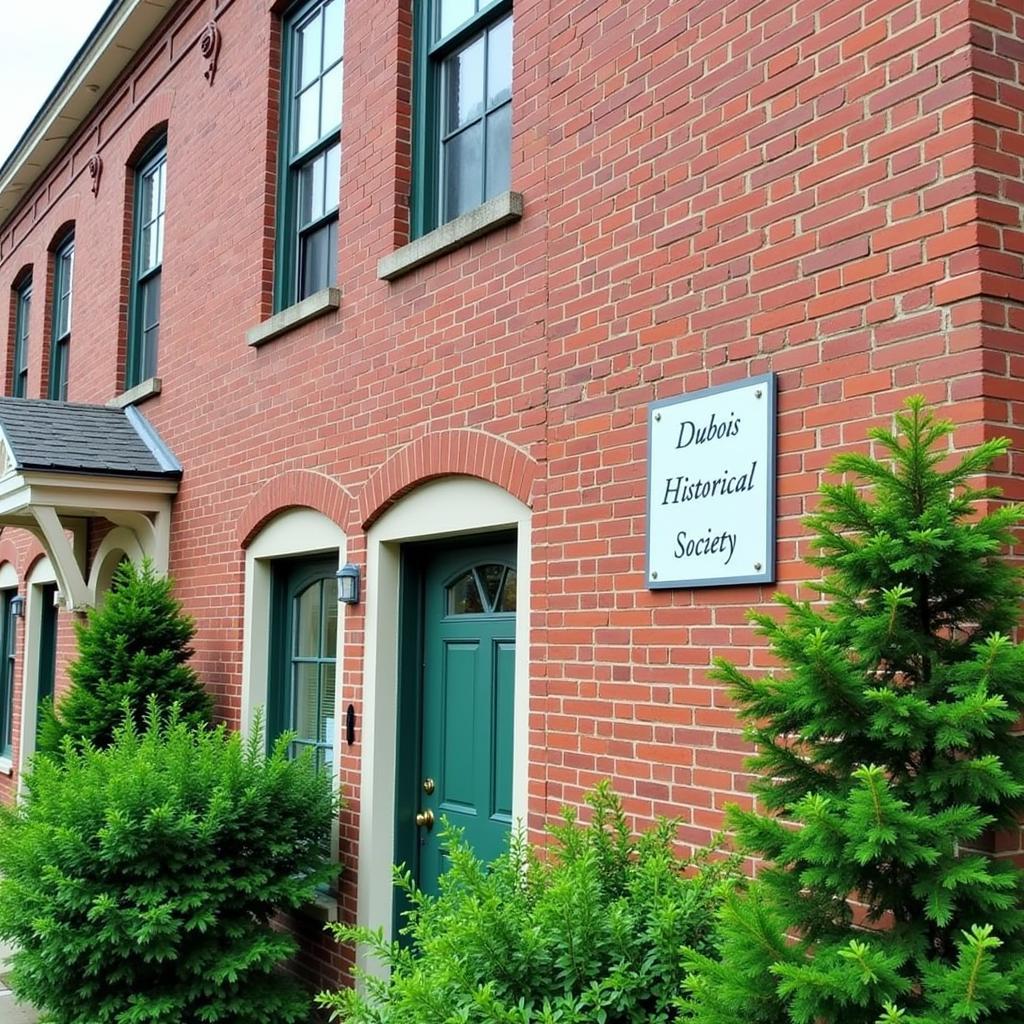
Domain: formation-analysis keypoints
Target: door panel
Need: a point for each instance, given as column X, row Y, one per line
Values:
column 501, row 742
column 467, row 706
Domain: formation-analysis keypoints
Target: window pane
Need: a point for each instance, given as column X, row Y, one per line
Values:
column 499, row 63
column 59, row 383
column 508, row 593
column 464, row 597
column 332, row 178
column 490, row 577
column 315, row 261
column 307, row 126
column 330, row 618
column 499, row 151
column 332, row 253
column 327, row 691
column 307, row 58
column 453, row 14
column 311, row 191
column 463, row 172
column 334, row 32
column 151, row 302
column 150, row 341
column 464, row 85
column 307, row 623
column 330, row 112
column 306, row 705
column 148, row 199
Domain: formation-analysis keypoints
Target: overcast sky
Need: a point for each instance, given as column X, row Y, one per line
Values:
column 37, row 42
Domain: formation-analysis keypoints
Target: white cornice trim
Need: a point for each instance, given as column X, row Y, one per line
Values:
column 121, row 33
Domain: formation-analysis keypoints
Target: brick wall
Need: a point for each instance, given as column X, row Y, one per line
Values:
column 829, row 190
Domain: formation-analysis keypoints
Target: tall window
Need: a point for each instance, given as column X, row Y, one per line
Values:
column 60, row 339
column 304, row 633
column 463, row 107
column 19, row 367
column 8, row 647
column 147, row 265
column 310, row 172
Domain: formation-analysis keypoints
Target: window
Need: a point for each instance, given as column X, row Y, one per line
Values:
column 60, row 340
column 463, row 140
column 310, row 171
column 8, row 624
column 19, row 367
column 147, row 265
column 304, row 653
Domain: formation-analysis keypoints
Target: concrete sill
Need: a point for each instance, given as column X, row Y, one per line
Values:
column 137, row 394
column 288, row 319
column 322, row 908
column 6, row 766
column 495, row 213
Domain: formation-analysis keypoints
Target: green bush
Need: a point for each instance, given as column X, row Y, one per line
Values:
column 133, row 647
column 138, row 882
column 888, row 745
column 589, row 935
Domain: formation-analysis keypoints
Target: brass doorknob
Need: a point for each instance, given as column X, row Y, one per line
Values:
column 425, row 819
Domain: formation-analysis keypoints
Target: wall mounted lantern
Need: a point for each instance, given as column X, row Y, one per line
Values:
column 348, row 584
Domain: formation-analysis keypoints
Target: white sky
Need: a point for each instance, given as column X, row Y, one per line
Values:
column 38, row 38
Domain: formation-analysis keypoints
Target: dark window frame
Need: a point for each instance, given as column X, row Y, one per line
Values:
column 426, row 203
column 8, row 655
column 60, row 339
column 22, row 323
column 290, row 579
column 289, row 271
column 141, row 362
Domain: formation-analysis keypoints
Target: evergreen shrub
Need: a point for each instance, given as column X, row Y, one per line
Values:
column 888, row 751
column 134, row 647
column 138, row 883
column 591, row 933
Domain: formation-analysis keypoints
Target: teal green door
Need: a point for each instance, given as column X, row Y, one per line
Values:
column 468, row 700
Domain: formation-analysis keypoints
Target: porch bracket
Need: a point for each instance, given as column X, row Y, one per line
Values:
column 66, row 567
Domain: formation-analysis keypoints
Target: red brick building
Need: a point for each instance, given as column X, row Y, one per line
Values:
column 417, row 330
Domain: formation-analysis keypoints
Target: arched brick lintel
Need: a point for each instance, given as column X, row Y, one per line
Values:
column 452, row 453
column 297, row 488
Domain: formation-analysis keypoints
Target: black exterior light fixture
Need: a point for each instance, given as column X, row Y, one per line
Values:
column 348, row 584
column 18, row 606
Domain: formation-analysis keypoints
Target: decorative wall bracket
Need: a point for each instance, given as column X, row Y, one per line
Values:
column 95, row 172
column 209, row 47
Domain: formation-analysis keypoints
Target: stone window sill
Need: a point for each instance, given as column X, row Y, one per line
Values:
column 137, row 394
column 310, row 308
column 495, row 213
column 6, row 766
column 323, row 907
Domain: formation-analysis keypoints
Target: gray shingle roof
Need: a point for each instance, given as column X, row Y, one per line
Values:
column 63, row 437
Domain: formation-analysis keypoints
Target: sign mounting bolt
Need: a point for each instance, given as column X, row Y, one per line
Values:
column 654, row 575
column 757, row 566
column 757, row 393
column 657, row 417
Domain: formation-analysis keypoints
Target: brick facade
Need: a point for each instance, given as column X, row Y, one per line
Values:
column 828, row 190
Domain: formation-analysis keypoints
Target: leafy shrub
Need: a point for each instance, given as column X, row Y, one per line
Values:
column 133, row 647
column 591, row 934
column 138, row 882
column 887, row 747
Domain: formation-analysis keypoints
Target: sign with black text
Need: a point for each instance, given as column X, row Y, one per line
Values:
column 711, row 487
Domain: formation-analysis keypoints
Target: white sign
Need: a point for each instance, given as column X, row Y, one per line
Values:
column 711, row 487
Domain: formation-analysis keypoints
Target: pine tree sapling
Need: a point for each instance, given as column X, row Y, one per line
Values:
column 886, row 751
column 138, row 882
column 133, row 647
column 590, row 935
